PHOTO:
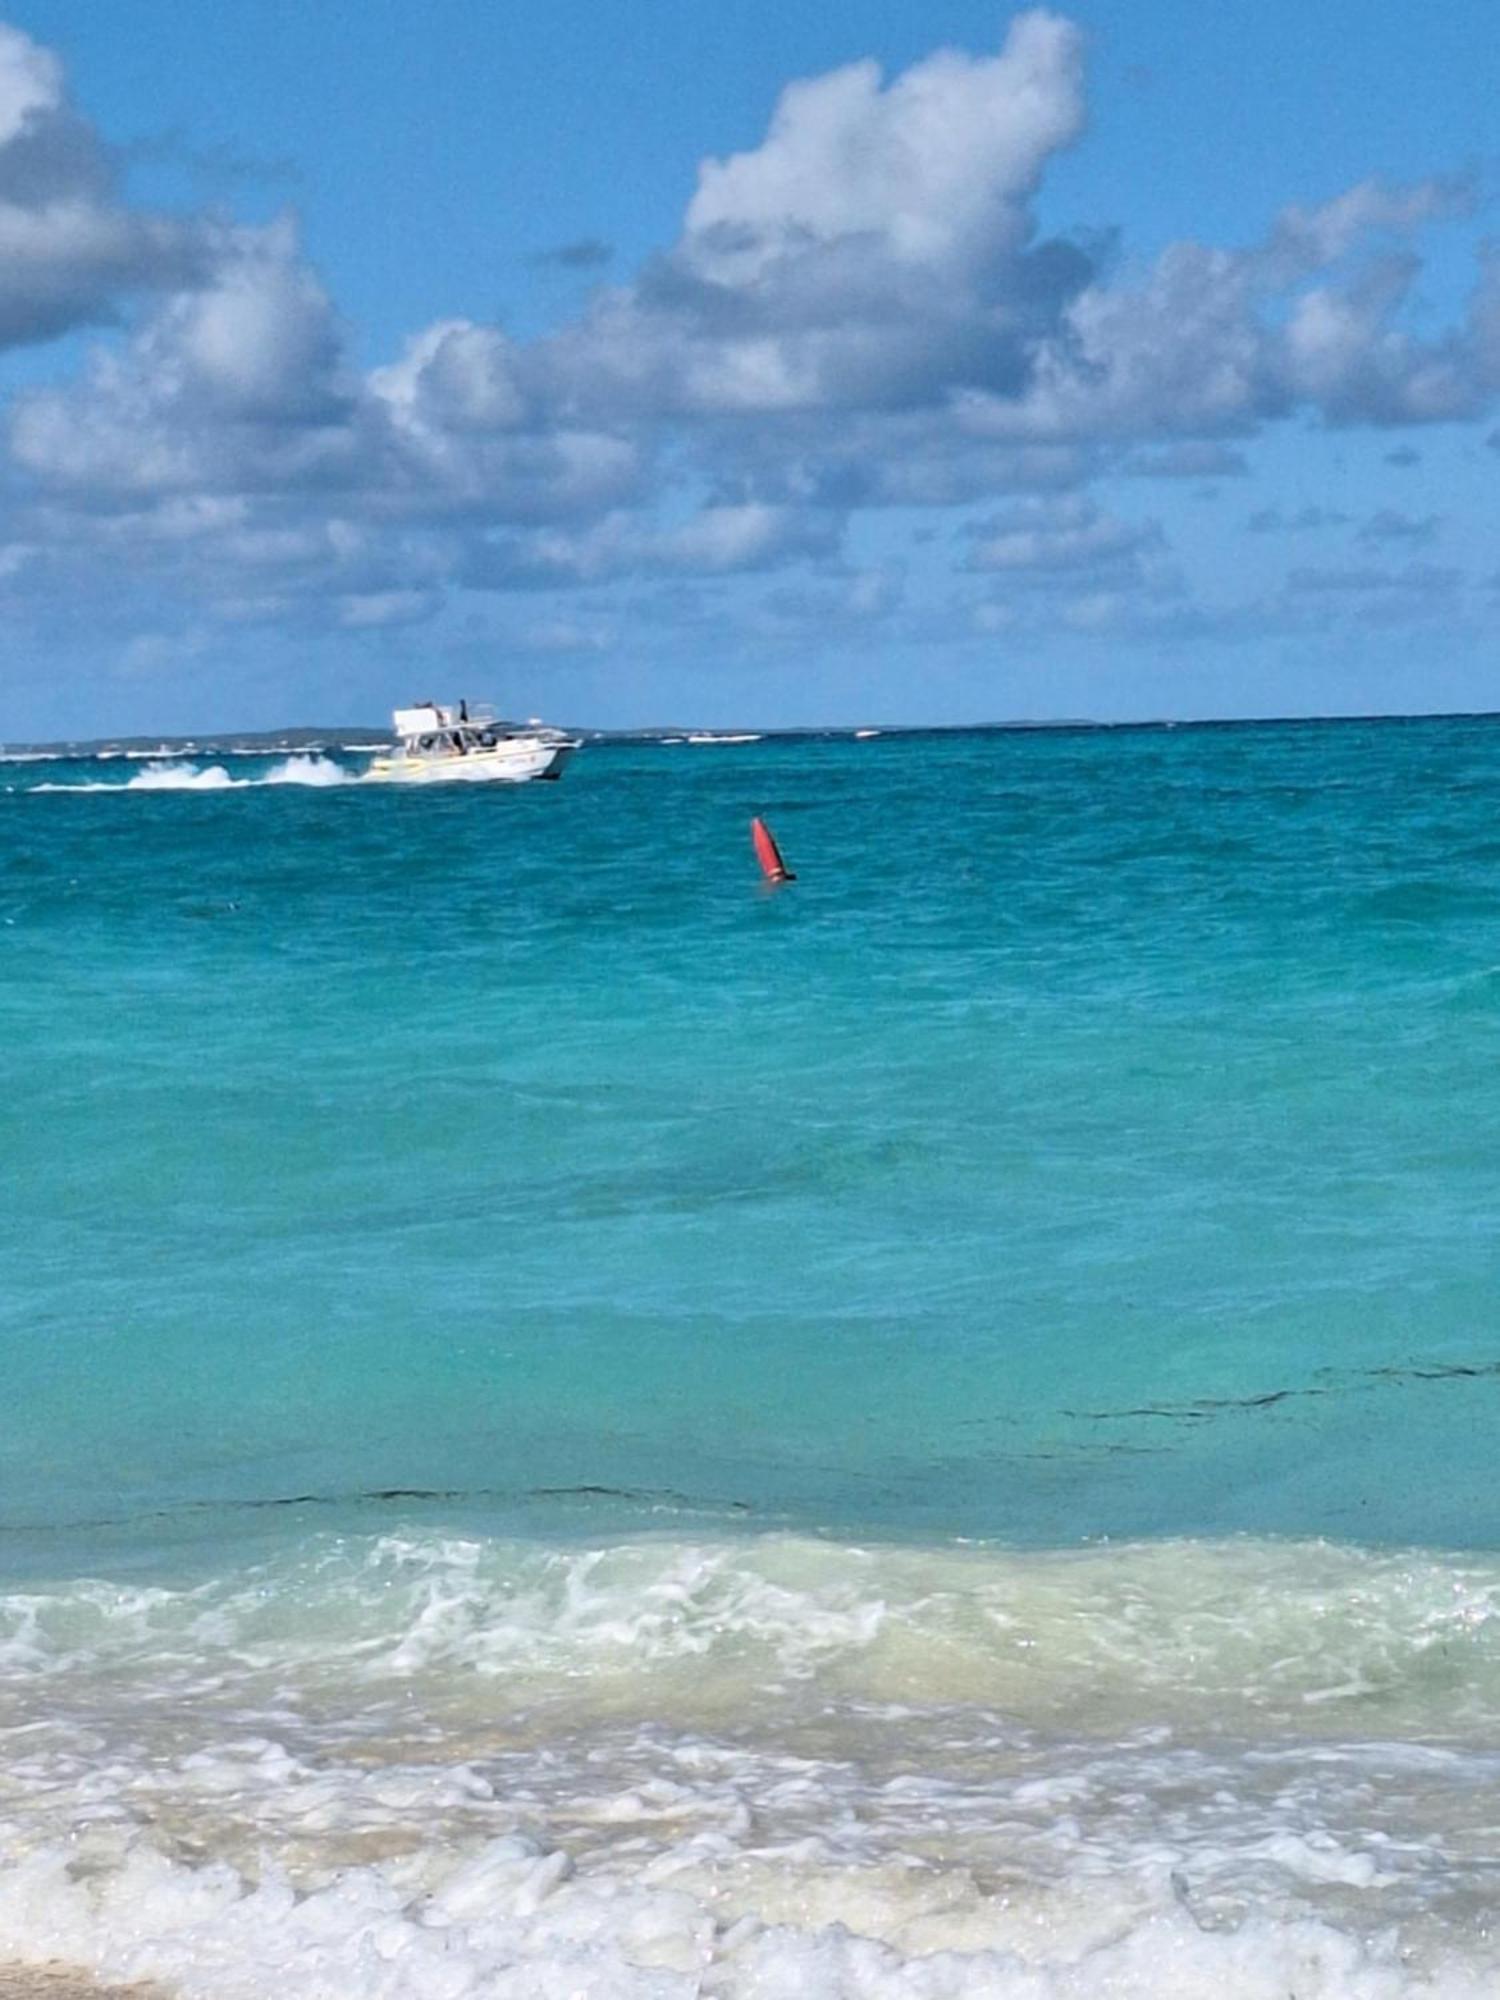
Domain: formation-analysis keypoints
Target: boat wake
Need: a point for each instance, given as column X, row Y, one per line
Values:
column 179, row 775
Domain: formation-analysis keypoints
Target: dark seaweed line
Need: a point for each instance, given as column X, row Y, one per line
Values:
column 1343, row 1380
column 386, row 1496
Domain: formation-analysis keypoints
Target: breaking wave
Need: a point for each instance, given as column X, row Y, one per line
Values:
column 428, row 1766
column 1279, row 1632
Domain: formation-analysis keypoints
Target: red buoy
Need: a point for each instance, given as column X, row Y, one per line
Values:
column 768, row 854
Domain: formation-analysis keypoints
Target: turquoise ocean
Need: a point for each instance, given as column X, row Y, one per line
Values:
column 579, row 1428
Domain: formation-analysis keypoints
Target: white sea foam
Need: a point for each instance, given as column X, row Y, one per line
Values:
column 181, row 775
column 512, row 1921
column 311, row 770
column 434, row 1766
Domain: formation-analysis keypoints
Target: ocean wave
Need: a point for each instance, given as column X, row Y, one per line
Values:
column 1286, row 1633
column 428, row 1766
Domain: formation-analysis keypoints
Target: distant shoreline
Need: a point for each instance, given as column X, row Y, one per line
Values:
column 352, row 738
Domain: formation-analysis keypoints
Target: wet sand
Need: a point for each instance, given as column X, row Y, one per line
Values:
column 65, row 1982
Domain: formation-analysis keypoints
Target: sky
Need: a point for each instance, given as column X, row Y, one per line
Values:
column 654, row 363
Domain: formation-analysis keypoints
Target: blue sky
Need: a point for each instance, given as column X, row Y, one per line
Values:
column 747, row 363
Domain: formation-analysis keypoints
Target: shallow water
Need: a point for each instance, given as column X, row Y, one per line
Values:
column 583, row 1427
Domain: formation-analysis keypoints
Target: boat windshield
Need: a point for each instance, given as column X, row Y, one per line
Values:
column 461, row 742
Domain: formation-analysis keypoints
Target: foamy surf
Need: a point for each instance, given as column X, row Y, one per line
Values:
column 777, row 1769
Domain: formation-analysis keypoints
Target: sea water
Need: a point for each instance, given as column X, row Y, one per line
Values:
column 576, row 1426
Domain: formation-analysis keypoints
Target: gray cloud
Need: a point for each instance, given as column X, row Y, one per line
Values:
column 221, row 166
column 70, row 250
column 1041, row 537
column 1306, row 520
column 238, row 385
column 718, row 541
column 1194, row 458
column 1421, row 579
column 1389, row 524
column 860, row 597
column 587, row 254
column 1212, row 343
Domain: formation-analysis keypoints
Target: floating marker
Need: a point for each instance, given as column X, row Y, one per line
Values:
column 768, row 854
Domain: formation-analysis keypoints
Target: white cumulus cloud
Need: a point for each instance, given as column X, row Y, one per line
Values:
column 933, row 169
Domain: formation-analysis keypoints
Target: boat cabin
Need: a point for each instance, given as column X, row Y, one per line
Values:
column 436, row 729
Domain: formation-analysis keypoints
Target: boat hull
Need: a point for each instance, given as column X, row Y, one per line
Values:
column 519, row 762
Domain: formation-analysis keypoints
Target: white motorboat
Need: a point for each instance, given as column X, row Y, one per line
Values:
column 440, row 744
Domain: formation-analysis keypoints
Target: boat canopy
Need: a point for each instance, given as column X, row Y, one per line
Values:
column 413, row 721
column 429, row 716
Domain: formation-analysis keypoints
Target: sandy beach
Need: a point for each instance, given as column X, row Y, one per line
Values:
column 65, row 1982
